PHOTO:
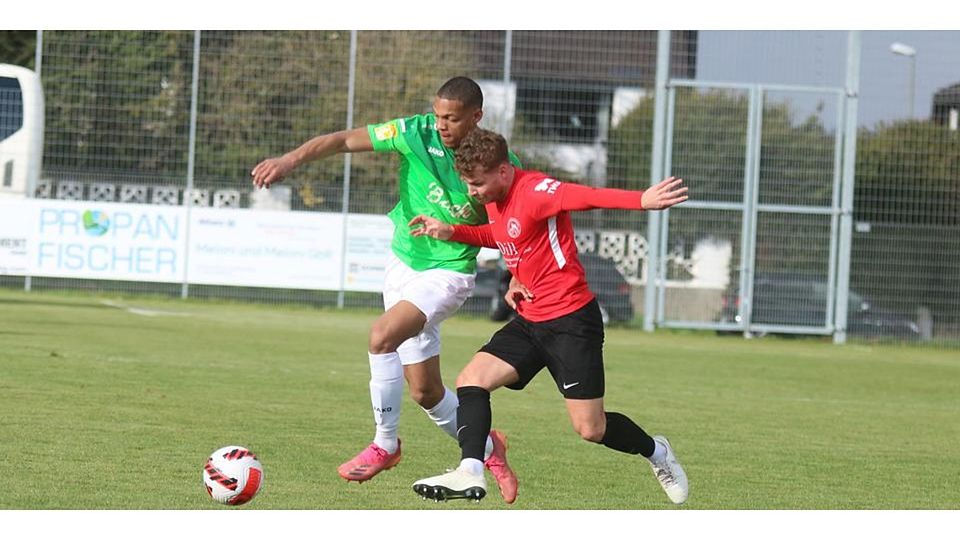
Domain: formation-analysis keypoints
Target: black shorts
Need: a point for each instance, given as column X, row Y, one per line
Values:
column 570, row 347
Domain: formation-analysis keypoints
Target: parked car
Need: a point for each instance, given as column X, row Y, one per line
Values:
column 606, row 282
column 796, row 299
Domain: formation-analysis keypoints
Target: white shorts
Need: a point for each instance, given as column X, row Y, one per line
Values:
column 437, row 293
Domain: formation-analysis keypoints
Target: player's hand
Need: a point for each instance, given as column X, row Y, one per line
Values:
column 664, row 195
column 427, row 226
column 271, row 171
column 517, row 293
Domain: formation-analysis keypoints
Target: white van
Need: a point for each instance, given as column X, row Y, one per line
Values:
column 21, row 131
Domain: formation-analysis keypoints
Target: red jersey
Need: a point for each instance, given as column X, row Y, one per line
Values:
column 532, row 229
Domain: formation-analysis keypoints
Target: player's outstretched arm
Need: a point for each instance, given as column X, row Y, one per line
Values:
column 577, row 197
column 273, row 170
column 474, row 235
column 667, row 193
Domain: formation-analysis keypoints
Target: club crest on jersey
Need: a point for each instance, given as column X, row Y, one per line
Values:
column 513, row 228
column 384, row 132
column 549, row 185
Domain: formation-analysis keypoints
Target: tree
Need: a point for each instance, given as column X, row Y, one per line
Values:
column 265, row 92
column 261, row 93
column 117, row 103
column 709, row 150
column 907, row 190
column 18, row 47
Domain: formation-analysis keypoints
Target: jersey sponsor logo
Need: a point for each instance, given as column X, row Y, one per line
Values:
column 508, row 248
column 549, row 185
column 438, row 196
column 511, row 255
column 384, row 132
column 435, row 151
column 436, row 193
column 513, row 228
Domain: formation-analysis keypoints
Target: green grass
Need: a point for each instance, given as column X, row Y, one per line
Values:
column 101, row 408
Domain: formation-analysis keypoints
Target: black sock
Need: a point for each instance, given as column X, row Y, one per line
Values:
column 473, row 421
column 625, row 436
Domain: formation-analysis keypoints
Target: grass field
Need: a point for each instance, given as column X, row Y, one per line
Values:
column 114, row 403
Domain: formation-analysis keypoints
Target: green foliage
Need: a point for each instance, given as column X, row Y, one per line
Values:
column 907, row 173
column 18, row 47
column 121, row 102
column 907, row 188
column 709, row 151
column 263, row 93
column 94, row 397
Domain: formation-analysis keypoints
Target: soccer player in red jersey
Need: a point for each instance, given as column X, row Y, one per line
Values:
column 425, row 281
column 559, row 324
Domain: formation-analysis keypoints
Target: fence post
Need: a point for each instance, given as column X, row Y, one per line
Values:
column 846, row 196
column 38, row 64
column 191, row 160
column 351, row 90
column 507, row 61
column 656, row 174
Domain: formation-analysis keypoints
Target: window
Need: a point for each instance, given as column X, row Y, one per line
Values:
column 560, row 112
column 11, row 107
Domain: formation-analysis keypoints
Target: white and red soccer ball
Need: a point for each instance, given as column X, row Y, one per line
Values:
column 232, row 475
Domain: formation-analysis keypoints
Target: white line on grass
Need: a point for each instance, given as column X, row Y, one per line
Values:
column 143, row 312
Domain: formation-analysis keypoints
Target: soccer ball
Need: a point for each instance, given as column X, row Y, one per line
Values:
column 232, row 475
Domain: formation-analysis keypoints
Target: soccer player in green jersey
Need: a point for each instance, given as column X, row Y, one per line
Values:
column 426, row 280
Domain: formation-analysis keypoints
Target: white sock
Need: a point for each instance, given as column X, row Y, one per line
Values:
column 472, row 466
column 386, row 394
column 659, row 451
column 444, row 414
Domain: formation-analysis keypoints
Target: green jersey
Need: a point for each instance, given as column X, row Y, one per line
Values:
column 429, row 185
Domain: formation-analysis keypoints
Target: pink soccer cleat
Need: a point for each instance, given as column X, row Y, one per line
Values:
column 498, row 466
column 369, row 463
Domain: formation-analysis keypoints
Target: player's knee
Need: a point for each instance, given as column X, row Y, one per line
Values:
column 382, row 340
column 426, row 395
column 468, row 378
column 590, row 432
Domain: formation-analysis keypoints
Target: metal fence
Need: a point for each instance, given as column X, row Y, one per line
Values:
column 754, row 121
column 890, row 230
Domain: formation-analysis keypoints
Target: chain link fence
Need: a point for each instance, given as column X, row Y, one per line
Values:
column 903, row 277
column 177, row 119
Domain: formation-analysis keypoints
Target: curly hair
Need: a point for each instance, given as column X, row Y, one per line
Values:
column 480, row 149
